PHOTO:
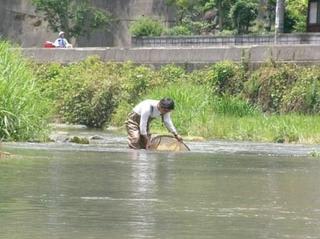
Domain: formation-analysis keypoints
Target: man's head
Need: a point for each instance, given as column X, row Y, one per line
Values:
column 61, row 34
column 166, row 105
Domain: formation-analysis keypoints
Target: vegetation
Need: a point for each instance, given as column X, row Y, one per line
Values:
column 242, row 14
column 239, row 16
column 146, row 26
column 275, row 103
column 75, row 17
column 23, row 109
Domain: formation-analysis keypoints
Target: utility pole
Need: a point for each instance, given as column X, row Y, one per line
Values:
column 279, row 23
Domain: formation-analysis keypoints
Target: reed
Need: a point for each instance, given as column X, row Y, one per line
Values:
column 23, row 110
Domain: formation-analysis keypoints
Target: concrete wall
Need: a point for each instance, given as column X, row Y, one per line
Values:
column 21, row 24
column 125, row 13
column 190, row 57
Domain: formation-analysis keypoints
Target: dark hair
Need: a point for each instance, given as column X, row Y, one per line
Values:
column 167, row 103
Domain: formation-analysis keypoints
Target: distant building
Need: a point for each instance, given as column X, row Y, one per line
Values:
column 313, row 20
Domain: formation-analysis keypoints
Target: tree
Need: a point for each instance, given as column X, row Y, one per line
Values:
column 223, row 7
column 296, row 11
column 191, row 12
column 75, row 17
column 242, row 14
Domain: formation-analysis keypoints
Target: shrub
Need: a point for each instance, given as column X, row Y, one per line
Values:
column 134, row 81
column 178, row 31
column 170, row 74
column 226, row 77
column 146, row 26
column 266, row 86
column 46, row 75
column 304, row 95
column 88, row 93
column 23, row 109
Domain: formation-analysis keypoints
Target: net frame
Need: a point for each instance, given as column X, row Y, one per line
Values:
column 174, row 145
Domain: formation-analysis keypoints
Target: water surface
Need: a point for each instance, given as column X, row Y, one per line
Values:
column 107, row 191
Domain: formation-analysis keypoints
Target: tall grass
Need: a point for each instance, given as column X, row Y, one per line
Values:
column 22, row 108
column 291, row 128
column 192, row 104
column 198, row 114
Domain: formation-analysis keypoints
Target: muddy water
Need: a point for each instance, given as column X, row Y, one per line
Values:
column 103, row 190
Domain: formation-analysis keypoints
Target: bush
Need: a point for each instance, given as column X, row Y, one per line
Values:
column 87, row 93
column 170, row 74
column 146, row 26
column 46, row 74
column 304, row 95
column 226, row 77
column 134, row 81
column 178, row 31
column 267, row 86
column 23, row 109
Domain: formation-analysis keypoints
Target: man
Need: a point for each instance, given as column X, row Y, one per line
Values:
column 139, row 120
column 62, row 42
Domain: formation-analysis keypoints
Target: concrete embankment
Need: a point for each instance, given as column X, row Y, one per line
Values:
column 300, row 54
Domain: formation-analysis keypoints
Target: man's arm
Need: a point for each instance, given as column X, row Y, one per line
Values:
column 169, row 125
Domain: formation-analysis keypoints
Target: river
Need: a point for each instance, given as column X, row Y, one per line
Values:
column 223, row 190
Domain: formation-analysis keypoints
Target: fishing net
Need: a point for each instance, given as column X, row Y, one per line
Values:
column 167, row 143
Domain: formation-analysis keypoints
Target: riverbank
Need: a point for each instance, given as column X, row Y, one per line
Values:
column 278, row 103
column 110, row 141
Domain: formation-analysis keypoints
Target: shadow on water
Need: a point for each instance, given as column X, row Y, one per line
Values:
column 104, row 190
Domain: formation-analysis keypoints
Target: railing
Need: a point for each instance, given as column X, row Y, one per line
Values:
column 166, row 41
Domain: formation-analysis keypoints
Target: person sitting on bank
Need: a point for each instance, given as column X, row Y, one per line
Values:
column 62, row 42
column 139, row 119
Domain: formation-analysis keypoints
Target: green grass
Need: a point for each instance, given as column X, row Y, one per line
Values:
column 23, row 110
column 198, row 114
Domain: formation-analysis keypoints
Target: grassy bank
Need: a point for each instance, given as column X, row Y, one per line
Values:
column 275, row 103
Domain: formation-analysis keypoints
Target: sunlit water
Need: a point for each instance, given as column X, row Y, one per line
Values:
column 103, row 190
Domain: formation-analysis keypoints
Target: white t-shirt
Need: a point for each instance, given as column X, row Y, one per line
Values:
column 61, row 42
column 148, row 108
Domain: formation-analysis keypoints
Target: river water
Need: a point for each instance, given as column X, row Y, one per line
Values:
column 220, row 190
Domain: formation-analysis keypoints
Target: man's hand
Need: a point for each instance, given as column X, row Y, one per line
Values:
column 178, row 137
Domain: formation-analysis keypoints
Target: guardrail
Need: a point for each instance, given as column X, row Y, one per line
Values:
column 167, row 41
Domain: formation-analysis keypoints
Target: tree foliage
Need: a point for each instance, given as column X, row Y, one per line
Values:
column 146, row 26
column 242, row 16
column 296, row 11
column 75, row 17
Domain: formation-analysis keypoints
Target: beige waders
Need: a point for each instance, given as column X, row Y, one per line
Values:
column 135, row 141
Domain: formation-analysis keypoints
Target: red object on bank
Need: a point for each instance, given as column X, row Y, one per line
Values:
column 48, row 44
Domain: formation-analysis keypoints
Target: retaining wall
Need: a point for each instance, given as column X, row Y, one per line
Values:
column 190, row 57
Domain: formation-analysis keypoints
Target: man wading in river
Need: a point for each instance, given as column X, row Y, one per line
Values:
column 139, row 119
